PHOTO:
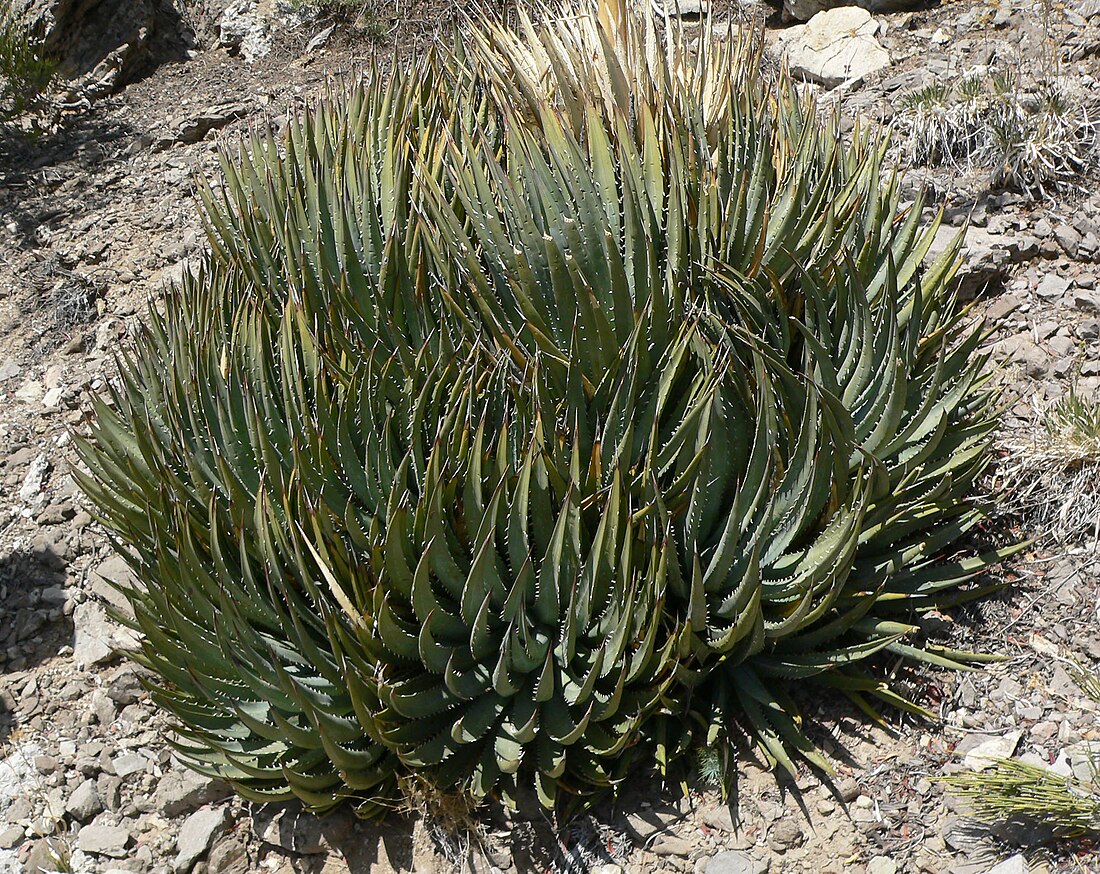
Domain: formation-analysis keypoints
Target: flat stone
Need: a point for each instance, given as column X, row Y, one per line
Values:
column 9, row 369
column 96, row 638
column 1089, row 247
column 787, row 833
column 736, row 862
column 1052, row 287
column 1061, row 683
column 129, row 763
column 1087, row 301
column 670, row 845
column 986, row 752
column 848, row 790
column 1082, row 759
column 104, row 840
column 1023, row 247
column 1068, row 239
column 12, row 836
column 92, row 636
column 103, row 707
column 30, row 392
column 197, row 835
column 196, row 127
column 719, row 818
column 289, row 827
column 682, row 8
column 125, row 688
column 228, row 856
column 986, row 258
column 44, row 857
column 105, row 582
column 882, row 865
column 181, row 792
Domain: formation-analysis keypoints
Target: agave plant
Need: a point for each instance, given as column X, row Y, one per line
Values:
column 536, row 414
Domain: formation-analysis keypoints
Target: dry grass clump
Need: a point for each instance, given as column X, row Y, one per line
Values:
column 1035, row 137
column 450, row 818
column 1053, row 478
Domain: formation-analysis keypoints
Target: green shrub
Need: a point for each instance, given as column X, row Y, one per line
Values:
column 367, row 19
column 25, row 69
column 534, row 415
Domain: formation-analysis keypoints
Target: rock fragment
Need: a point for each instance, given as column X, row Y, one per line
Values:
column 736, row 862
column 985, row 753
column 197, row 835
column 104, row 840
column 85, row 802
column 181, row 792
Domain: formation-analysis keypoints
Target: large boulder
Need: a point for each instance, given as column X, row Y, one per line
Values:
column 836, row 46
column 804, row 10
column 247, row 26
column 103, row 44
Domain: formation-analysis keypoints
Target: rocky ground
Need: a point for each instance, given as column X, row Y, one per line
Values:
column 98, row 215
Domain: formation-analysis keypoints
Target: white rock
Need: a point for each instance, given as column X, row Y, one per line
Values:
column 686, row 8
column 835, row 46
column 129, row 763
column 11, row 836
column 36, row 476
column 18, row 776
column 96, row 637
column 984, row 754
column 986, row 257
column 1013, row 865
column 55, row 377
column 247, row 24
column 1053, row 287
column 9, row 369
column 30, row 391
column 92, row 632
column 1083, row 759
column 242, row 26
column 1061, row 765
column 184, row 791
column 104, row 840
column 114, row 571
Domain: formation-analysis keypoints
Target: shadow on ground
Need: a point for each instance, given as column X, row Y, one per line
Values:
column 33, row 165
column 32, row 622
column 308, row 841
